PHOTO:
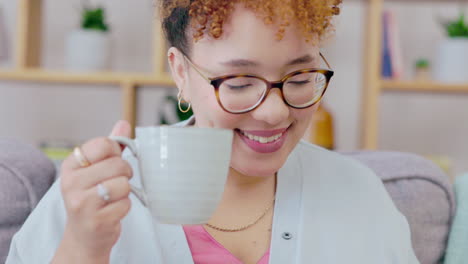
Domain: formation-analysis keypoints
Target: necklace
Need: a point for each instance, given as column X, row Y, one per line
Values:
column 224, row 229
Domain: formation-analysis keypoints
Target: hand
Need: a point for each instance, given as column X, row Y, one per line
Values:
column 93, row 224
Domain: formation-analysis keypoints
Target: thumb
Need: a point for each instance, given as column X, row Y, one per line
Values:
column 122, row 129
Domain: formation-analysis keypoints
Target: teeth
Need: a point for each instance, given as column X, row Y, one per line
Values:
column 262, row 140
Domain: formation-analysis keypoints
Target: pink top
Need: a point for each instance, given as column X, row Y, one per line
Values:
column 206, row 250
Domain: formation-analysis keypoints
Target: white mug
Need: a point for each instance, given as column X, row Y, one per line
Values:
column 183, row 171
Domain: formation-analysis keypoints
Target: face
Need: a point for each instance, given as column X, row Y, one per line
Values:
column 249, row 46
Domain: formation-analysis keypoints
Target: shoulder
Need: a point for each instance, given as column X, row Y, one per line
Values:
column 341, row 178
column 344, row 199
column 334, row 167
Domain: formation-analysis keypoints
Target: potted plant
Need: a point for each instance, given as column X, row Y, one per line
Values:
column 422, row 67
column 88, row 48
column 170, row 112
column 452, row 55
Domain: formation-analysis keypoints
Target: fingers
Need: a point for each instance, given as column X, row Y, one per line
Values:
column 122, row 128
column 118, row 188
column 94, row 214
column 116, row 211
column 100, row 148
column 105, row 170
column 94, row 151
column 89, row 201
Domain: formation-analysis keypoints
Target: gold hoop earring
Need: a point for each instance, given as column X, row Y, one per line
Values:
column 179, row 104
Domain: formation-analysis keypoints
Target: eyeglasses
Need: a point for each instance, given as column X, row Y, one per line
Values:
column 242, row 93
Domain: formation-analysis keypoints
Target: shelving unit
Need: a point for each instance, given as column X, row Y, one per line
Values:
column 27, row 62
column 375, row 85
column 111, row 78
column 423, row 86
column 27, row 68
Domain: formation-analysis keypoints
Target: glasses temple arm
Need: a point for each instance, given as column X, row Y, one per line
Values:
column 328, row 65
column 196, row 69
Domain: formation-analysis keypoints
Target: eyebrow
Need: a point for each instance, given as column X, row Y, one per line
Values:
column 301, row 60
column 240, row 63
column 248, row 63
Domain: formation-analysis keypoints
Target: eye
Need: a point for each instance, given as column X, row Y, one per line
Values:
column 299, row 82
column 238, row 87
column 239, row 83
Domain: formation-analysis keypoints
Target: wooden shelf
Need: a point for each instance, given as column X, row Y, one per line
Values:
column 47, row 76
column 374, row 86
column 408, row 1
column 28, row 58
column 423, row 86
column 421, row 1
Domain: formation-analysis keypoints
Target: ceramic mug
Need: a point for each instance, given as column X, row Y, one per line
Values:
column 183, row 171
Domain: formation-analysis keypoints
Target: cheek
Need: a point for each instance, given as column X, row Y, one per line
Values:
column 303, row 118
column 207, row 111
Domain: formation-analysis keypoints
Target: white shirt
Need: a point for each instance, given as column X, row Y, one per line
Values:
column 334, row 209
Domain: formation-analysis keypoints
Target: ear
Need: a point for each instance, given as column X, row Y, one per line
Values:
column 179, row 69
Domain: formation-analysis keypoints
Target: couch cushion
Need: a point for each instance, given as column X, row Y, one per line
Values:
column 422, row 192
column 457, row 252
column 25, row 176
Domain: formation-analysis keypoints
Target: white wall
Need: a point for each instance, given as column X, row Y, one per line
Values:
column 421, row 123
column 425, row 123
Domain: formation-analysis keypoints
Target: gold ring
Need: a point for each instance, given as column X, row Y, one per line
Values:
column 82, row 160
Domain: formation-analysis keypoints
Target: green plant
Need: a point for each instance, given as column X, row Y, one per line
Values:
column 181, row 116
column 422, row 63
column 94, row 19
column 457, row 28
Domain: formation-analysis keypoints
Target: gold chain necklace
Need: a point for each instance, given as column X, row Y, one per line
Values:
column 224, row 229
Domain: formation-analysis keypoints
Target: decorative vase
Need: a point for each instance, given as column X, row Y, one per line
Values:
column 88, row 50
column 422, row 74
column 321, row 129
column 451, row 62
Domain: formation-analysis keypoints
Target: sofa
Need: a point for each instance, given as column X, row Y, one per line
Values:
column 25, row 176
column 420, row 190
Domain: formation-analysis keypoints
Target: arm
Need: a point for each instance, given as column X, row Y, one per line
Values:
column 40, row 235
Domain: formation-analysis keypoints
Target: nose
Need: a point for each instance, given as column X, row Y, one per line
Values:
column 273, row 110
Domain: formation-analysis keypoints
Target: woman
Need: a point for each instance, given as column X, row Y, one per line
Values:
column 293, row 202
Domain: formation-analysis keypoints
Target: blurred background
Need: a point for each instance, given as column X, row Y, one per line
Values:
column 397, row 100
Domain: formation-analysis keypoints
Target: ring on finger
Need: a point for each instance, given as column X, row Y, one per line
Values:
column 80, row 157
column 103, row 192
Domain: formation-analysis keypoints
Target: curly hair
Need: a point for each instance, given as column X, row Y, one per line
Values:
column 208, row 17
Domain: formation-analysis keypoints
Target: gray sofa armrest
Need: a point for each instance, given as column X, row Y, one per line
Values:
column 25, row 176
column 422, row 192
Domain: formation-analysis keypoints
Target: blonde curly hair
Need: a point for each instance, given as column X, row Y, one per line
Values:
column 208, row 17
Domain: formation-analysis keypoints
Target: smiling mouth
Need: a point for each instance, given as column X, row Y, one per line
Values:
column 264, row 141
column 260, row 139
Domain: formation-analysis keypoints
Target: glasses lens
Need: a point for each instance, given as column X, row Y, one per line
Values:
column 241, row 94
column 304, row 89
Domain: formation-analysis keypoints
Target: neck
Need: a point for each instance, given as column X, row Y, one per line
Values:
column 240, row 187
column 244, row 199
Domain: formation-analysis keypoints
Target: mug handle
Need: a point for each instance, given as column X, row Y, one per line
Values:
column 138, row 192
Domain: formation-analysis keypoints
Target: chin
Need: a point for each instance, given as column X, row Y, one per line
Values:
column 256, row 170
column 257, row 164
column 251, row 163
